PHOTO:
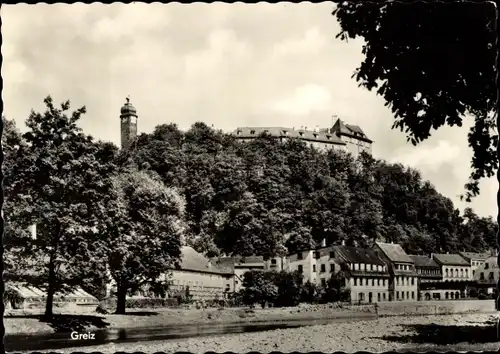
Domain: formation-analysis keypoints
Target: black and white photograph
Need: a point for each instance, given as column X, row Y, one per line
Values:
column 290, row 177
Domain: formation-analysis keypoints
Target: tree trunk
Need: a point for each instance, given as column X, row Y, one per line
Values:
column 49, row 304
column 121, row 296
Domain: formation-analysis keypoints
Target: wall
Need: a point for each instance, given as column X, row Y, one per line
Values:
column 464, row 273
column 404, row 289
column 363, row 286
column 202, row 285
column 444, row 294
column 489, row 266
column 435, row 307
column 307, row 262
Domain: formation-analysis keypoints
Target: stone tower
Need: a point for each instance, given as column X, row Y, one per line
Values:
column 128, row 118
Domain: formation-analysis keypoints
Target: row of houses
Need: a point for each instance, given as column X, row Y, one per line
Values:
column 384, row 272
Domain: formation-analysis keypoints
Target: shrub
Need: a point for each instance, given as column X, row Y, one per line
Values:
column 151, row 303
column 289, row 288
column 13, row 297
column 259, row 287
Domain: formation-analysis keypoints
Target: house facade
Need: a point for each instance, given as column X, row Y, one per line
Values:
column 429, row 274
column 453, row 266
column 316, row 266
column 475, row 260
column 366, row 275
column 488, row 274
column 403, row 285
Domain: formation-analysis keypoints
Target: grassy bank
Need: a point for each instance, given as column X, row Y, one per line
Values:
column 83, row 320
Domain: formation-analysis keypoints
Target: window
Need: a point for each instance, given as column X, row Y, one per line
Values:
column 383, row 296
column 300, row 268
column 314, row 268
column 412, row 281
column 461, row 273
column 446, row 272
column 316, row 255
column 397, row 280
column 323, row 281
column 413, row 295
column 466, row 273
column 402, row 295
column 236, row 282
column 378, row 297
column 456, row 273
column 323, row 268
column 356, row 266
column 332, row 254
column 363, row 266
column 332, row 267
column 481, row 276
column 491, row 277
column 378, row 282
column 397, row 295
column 355, row 281
column 273, row 261
column 407, row 295
column 486, row 265
column 299, row 256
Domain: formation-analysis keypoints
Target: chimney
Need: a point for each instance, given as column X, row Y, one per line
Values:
column 323, row 243
column 305, row 128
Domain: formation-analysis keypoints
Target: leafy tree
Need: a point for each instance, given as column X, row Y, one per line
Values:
column 61, row 179
column 423, row 87
column 259, row 287
column 289, row 288
column 142, row 228
column 335, row 289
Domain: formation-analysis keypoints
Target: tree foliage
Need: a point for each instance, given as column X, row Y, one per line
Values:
column 142, row 232
column 60, row 179
column 431, row 69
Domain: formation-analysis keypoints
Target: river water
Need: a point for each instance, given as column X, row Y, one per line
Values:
column 16, row 343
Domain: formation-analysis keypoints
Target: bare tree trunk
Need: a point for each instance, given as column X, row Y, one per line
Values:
column 121, row 297
column 49, row 304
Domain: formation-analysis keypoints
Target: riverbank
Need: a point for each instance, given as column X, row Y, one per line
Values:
column 421, row 333
column 81, row 319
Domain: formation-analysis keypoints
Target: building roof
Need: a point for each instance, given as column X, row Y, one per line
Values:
column 475, row 255
column 394, row 252
column 350, row 130
column 283, row 132
column 194, row 261
column 424, row 261
column 358, row 255
column 450, row 259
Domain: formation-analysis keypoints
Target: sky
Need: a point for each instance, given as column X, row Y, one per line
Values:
column 227, row 65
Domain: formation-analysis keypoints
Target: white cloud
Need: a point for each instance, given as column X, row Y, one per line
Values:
column 429, row 157
column 305, row 99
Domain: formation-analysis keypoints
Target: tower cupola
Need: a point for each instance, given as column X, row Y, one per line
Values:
column 128, row 119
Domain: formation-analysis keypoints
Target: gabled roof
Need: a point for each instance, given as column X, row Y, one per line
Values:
column 350, row 130
column 475, row 255
column 283, row 132
column 424, row 261
column 394, row 252
column 358, row 255
column 194, row 261
column 450, row 259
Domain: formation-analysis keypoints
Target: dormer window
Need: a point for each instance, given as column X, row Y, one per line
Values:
column 252, row 131
column 315, row 136
column 301, row 133
column 238, row 132
column 328, row 137
column 285, row 132
column 266, row 131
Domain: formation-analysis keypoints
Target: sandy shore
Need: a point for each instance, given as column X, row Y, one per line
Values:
column 383, row 334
